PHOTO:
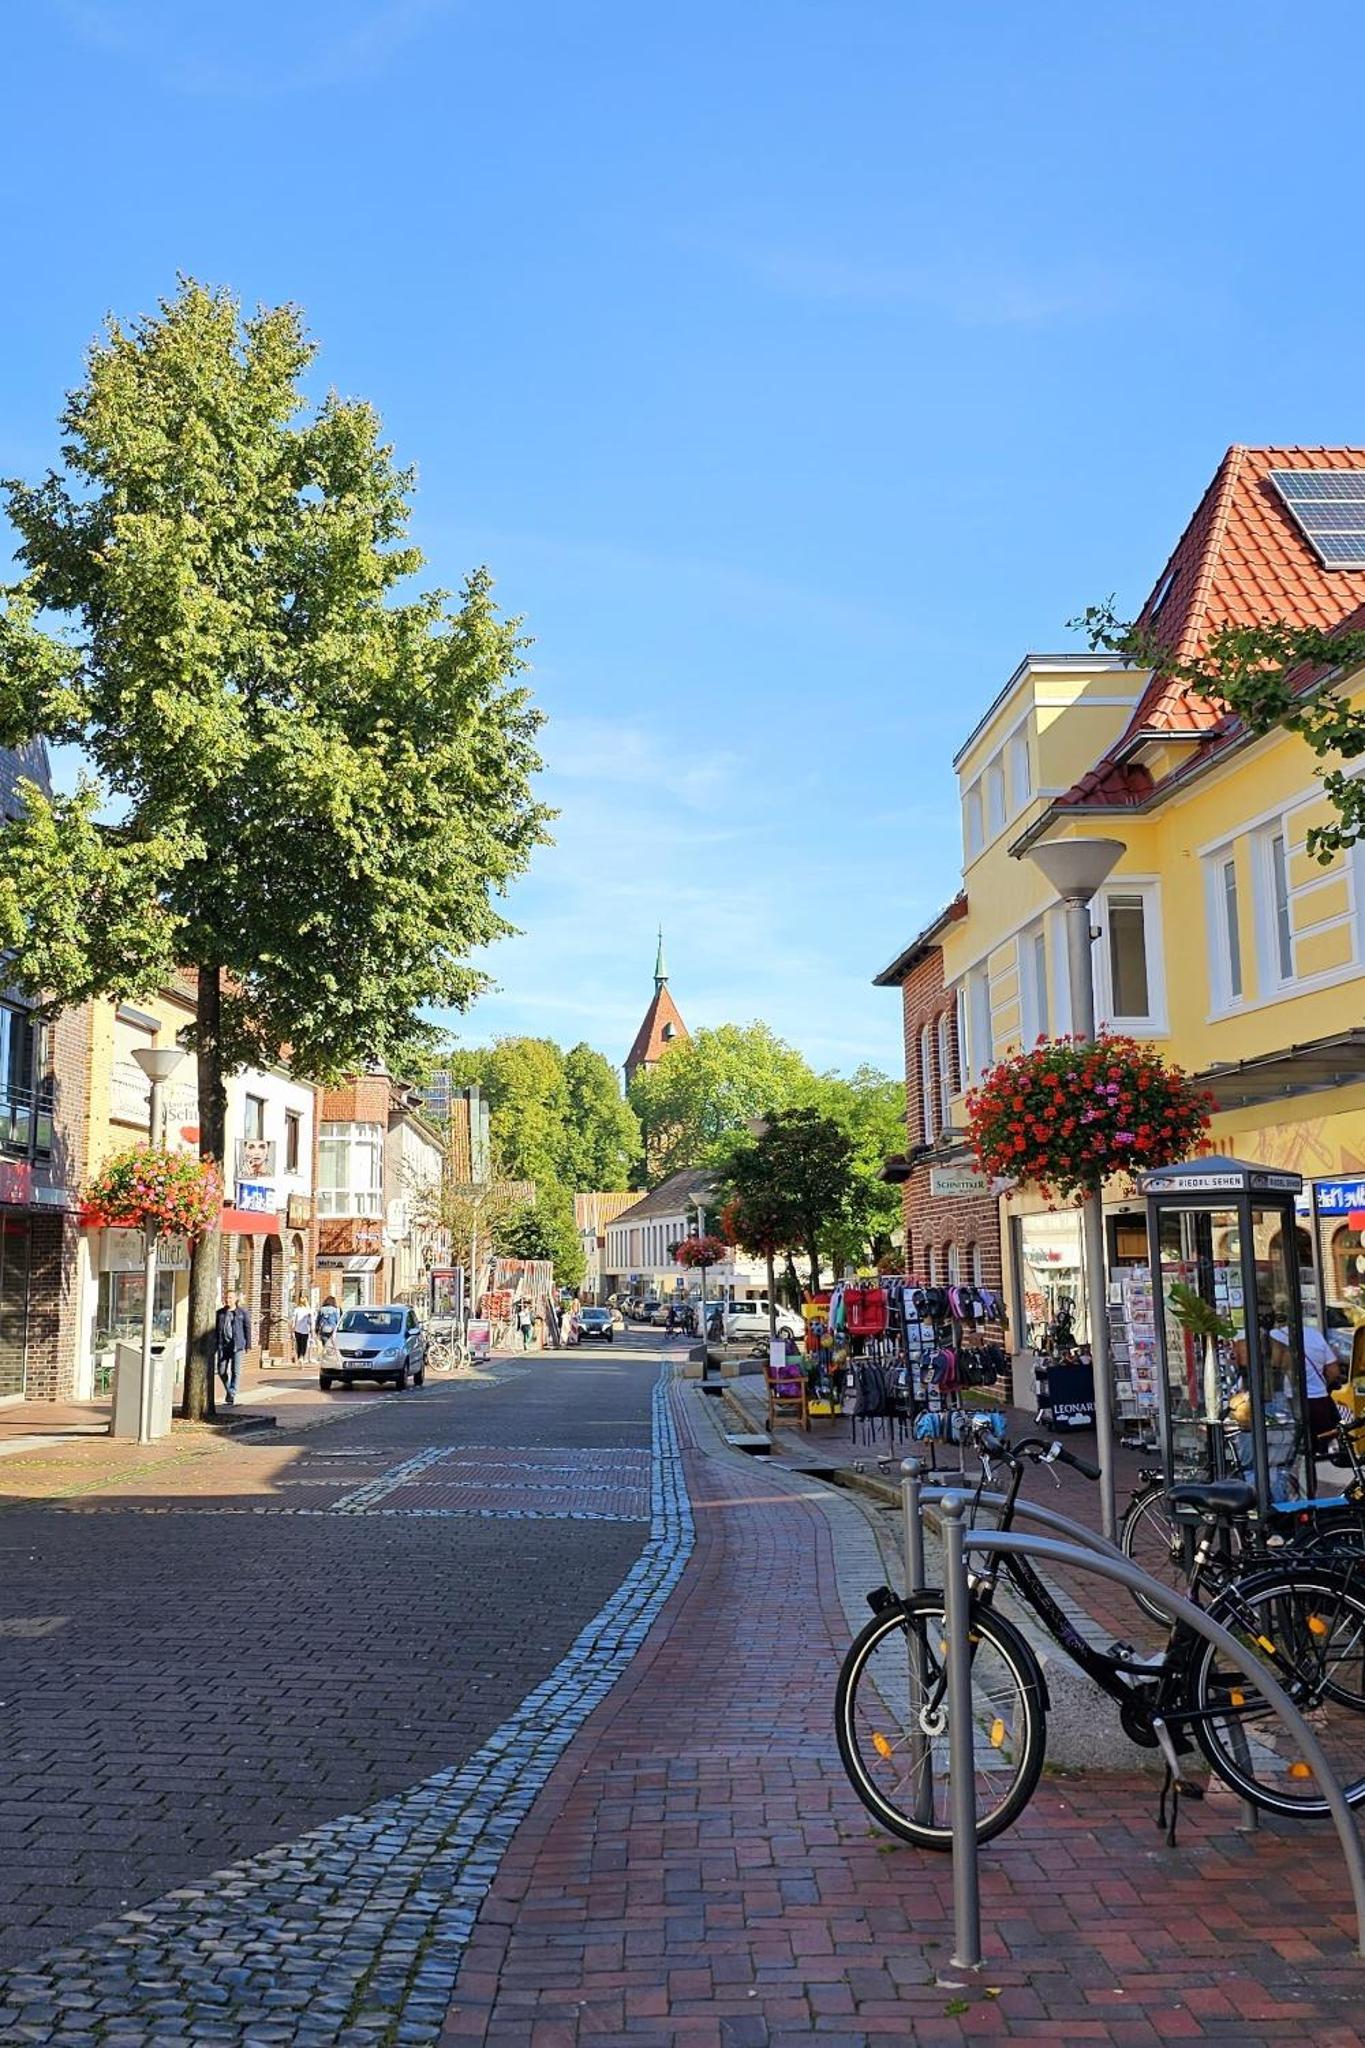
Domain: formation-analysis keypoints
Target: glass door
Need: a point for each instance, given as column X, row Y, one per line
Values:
column 15, row 1238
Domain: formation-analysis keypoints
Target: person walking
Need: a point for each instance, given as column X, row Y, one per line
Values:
column 525, row 1323
column 231, row 1337
column 303, row 1329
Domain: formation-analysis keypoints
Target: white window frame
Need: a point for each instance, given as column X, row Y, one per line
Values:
column 981, row 1028
column 964, row 1062
column 973, row 820
column 1033, row 987
column 978, row 1265
column 934, row 1280
column 953, row 1252
column 997, row 797
column 1021, row 773
column 1054, row 926
column 1148, row 888
column 351, row 1141
column 926, row 1084
column 1226, row 987
column 945, row 1072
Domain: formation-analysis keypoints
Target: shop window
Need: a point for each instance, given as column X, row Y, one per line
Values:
column 293, row 1131
column 119, row 1310
column 1348, row 1268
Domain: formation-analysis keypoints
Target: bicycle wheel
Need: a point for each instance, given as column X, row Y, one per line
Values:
column 897, row 1761
column 1149, row 1536
column 1307, row 1625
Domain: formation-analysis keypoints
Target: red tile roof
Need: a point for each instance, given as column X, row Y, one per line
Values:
column 653, row 1034
column 1241, row 561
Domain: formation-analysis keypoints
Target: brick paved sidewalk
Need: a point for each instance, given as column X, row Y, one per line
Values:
column 697, row 1873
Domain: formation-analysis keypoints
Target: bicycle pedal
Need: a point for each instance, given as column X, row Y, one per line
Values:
column 1188, row 1789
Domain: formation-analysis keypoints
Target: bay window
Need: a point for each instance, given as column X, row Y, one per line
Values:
column 351, row 1169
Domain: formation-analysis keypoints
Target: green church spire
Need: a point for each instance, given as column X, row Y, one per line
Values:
column 660, row 967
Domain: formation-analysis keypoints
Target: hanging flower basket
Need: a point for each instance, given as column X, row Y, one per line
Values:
column 701, row 1251
column 1071, row 1113
column 147, row 1187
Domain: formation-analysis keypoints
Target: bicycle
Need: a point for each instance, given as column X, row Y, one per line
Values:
column 1307, row 1622
column 1151, row 1536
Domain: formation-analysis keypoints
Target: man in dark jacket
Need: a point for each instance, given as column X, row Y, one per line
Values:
column 231, row 1337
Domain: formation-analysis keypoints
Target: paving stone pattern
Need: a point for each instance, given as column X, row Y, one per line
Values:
column 698, row 1874
column 155, row 1732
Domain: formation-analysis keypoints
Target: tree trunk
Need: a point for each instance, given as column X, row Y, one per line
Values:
column 206, row 1265
column 813, row 1254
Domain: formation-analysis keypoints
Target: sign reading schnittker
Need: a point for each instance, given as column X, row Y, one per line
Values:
column 957, row 1180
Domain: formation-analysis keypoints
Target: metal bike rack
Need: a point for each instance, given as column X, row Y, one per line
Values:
column 1083, row 1556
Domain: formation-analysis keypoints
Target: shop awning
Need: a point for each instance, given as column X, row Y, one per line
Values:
column 252, row 1222
column 1307, row 1069
column 353, row 1263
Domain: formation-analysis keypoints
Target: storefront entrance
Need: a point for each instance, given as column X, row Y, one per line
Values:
column 16, row 1243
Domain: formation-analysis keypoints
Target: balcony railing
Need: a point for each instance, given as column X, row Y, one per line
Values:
column 26, row 1121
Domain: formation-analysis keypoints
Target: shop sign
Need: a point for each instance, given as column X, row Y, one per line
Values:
column 298, row 1212
column 123, row 1251
column 958, row 1181
column 1339, row 1197
column 255, row 1197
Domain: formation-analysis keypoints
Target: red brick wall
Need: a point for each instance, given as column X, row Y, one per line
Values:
column 929, row 1220
column 362, row 1101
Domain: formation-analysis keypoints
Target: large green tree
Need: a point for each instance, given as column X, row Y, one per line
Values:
column 602, row 1131
column 555, row 1116
column 706, row 1088
column 869, row 1107
column 319, row 777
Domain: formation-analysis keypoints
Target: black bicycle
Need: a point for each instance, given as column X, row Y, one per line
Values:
column 1153, row 1536
column 1306, row 1621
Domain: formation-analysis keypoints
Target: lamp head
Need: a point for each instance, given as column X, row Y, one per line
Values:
column 1076, row 868
column 158, row 1062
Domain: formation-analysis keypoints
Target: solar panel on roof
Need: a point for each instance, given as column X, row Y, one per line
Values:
column 1328, row 505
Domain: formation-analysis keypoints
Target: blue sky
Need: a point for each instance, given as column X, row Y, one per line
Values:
column 795, row 367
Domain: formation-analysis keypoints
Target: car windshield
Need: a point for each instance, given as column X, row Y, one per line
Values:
column 375, row 1322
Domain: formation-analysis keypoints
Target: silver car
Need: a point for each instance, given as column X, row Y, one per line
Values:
column 376, row 1344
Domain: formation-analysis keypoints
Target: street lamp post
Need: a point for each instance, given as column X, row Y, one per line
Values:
column 1077, row 870
column 158, row 1063
column 759, row 1128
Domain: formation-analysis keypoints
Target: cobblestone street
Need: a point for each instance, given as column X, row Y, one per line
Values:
column 278, row 1658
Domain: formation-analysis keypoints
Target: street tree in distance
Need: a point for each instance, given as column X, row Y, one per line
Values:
column 602, row 1131
column 544, row 1230
column 319, row 780
column 705, row 1089
column 791, row 1186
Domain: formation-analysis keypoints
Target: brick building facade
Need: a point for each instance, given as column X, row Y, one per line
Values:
column 948, row 1238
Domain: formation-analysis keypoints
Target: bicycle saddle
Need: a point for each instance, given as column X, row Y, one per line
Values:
column 1214, row 1496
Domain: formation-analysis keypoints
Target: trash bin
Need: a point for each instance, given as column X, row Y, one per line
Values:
column 127, row 1388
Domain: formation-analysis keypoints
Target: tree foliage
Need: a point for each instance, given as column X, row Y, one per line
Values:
column 320, row 777
column 706, row 1088
column 545, row 1230
column 1273, row 674
column 790, row 1188
column 554, row 1115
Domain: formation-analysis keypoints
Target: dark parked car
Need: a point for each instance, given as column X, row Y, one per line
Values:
column 377, row 1344
column 596, row 1322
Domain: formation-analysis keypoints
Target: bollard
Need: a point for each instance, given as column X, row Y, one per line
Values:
column 917, row 1742
column 912, row 1477
column 961, row 1740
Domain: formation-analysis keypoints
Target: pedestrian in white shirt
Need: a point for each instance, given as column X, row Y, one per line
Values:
column 303, row 1329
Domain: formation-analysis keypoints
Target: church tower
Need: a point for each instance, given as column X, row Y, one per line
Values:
column 662, row 1025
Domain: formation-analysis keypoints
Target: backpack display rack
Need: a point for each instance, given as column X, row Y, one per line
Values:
column 895, row 1355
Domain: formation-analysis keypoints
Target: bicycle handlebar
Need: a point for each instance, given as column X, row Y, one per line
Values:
column 1045, row 1451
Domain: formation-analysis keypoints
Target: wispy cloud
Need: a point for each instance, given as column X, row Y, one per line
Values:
column 224, row 53
column 971, row 288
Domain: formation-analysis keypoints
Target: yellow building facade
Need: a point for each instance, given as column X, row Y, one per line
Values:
column 1218, row 937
